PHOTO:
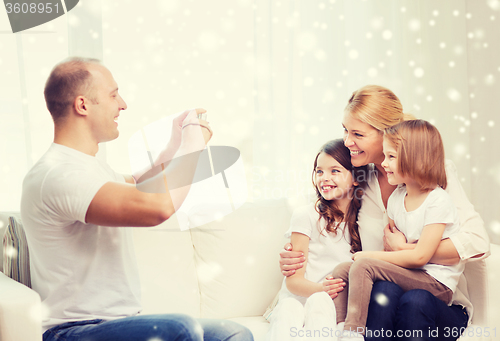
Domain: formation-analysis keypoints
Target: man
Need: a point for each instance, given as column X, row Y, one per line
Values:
column 82, row 262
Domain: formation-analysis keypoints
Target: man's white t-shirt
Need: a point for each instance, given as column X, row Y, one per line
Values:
column 326, row 250
column 437, row 208
column 81, row 271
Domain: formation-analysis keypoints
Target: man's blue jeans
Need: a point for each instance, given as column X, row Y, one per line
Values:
column 168, row 327
column 412, row 315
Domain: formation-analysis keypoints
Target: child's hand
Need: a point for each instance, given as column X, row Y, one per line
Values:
column 333, row 286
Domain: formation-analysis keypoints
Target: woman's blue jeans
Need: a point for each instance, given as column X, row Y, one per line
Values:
column 168, row 327
column 412, row 315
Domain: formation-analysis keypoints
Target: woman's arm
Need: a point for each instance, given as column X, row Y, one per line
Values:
column 472, row 241
column 415, row 258
column 297, row 284
column 290, row 260
column 446, row 253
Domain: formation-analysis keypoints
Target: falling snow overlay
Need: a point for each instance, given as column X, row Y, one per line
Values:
column 275, row 77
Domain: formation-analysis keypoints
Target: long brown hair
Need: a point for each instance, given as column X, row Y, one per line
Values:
column 328, row 209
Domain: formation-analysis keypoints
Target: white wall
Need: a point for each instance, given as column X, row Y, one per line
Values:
column 274, row 77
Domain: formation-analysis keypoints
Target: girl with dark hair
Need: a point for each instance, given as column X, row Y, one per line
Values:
column 327, row 232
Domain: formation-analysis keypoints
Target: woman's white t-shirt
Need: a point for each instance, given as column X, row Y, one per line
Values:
column 437, row 208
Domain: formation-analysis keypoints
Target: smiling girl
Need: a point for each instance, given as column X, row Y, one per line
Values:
column 327, row 233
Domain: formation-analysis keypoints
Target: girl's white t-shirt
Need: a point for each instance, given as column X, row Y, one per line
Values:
column 326, row 250
column 471, row 240
column 437, row 208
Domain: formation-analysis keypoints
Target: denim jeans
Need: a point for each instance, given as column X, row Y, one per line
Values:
column 412, row 315
column 169, row 327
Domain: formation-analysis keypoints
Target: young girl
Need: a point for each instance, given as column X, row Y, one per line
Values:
column 327, row 233
column 422, row 210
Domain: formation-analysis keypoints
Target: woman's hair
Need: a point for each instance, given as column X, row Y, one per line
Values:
column 376, row 106
column 420, row 152
column 328, row 209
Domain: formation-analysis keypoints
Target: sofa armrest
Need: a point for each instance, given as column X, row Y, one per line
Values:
column 20, row 312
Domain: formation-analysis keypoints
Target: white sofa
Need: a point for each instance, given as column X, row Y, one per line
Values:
column 226, row 269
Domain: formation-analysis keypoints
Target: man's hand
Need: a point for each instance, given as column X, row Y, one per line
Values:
column 192, row 123
column 290, row 260
column 394, row 240
column 196, row 138
column 333, row 286
column 176, row 136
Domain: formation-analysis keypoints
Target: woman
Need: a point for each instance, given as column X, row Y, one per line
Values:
column 370, row 110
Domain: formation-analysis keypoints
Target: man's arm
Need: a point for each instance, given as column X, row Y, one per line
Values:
column 117, row 204
column 129, row 179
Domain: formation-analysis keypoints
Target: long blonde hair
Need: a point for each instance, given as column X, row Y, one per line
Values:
column 377, row 106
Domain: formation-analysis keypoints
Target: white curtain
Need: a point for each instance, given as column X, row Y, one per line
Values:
column 274, row 77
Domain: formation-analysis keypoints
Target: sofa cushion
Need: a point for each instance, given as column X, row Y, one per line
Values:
column 237, row 259
column 20, row 312
column 3, row 226
column 257, row 324
column 166, row 263
column 4, row 222
column 15, row 252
